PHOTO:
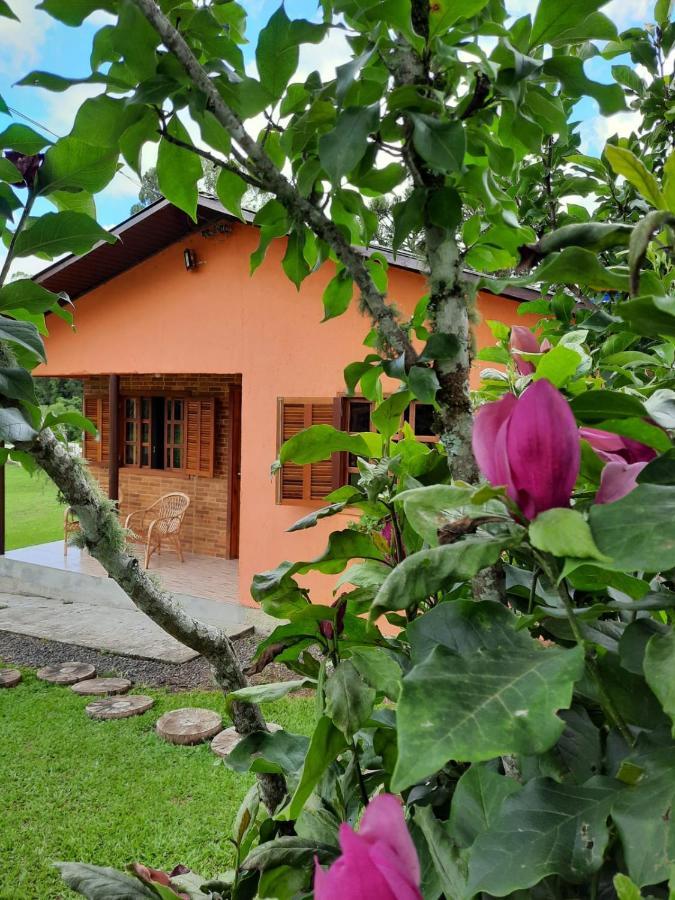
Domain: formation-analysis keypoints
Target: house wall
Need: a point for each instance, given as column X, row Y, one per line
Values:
column 159, row 318
column 205, row 524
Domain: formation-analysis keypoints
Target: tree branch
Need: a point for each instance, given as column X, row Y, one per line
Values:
column 298, row 207
column 105, row 540
column 221, row 163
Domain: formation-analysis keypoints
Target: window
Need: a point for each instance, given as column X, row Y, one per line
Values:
column 298, row 484
column 170, row 433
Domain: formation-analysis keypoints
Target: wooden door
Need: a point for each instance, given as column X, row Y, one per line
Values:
column 234, row 471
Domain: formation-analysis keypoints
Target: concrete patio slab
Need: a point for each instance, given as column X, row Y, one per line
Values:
column 117, row 628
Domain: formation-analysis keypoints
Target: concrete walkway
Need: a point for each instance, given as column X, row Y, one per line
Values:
column 115, row 629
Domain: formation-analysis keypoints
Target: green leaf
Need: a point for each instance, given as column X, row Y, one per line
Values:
column 14, row 427
column 477, row 801
column 570, row 72
column 386, row 417
column 428, row 509
column 74, row 165
column 55, row 233
column 649, row 315
column 444, row 13
column 230, row 189
column 311, row 519
column 326, row 743
column 551, row 20
column 99, row 883
column 447, row 861
column 318, row 442
column 509, row 700
column 338, row 295
column 642, row 815
column 564, row 532
column 277, row 753
column 561, row 830
column 638, row 430
column 79, row 201
column 624, row 162
column 378, row 667
column 179, row 170
column 440, row 144
column 294, row 851
column 25, row 334
column 294, row 263
column 74, row 12
column 408, row 216
column 349, row 699
column 16, row 384
column 659, row 670
column 24, row 293
column 6, row 11
column 594, row 406
column 22, row 139
column 264, row 693
column 423, row 382
column 422, row 574
column 277, row 53
column 651, row 547
column 343, row 147
column 558, row 365
column 76, row 419
column 660, row 470
column 625, row 888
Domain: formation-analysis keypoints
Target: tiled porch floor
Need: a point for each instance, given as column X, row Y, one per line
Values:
column 198, row 576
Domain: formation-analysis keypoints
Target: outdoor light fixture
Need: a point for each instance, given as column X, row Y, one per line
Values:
column 190, row 259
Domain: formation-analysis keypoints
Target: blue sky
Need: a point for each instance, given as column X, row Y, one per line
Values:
column 39, row 42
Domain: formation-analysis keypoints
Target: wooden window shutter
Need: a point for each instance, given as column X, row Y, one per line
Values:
column 200, row 436
column 310, row 482
column 97, row 449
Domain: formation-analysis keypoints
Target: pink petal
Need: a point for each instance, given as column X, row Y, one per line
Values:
column 383, row 824
column 617, row 480
column 490, row 452
column 608, row 446
column 522, row 339
column 637, row 452
column 543, row 449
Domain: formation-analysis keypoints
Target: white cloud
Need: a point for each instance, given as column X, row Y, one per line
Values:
column 323, row 58
column 596, row 130
column 61, row 108
column 625, row 14
column 23, row 41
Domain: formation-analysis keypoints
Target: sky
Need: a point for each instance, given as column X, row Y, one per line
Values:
column 39, row 42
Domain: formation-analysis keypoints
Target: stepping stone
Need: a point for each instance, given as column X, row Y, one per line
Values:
column 189, row 725
column 9, row 678
column 101, row 687
column 66, row 673
column 227, row 740
column 119, row 707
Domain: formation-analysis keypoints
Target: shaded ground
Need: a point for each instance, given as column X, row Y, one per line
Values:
column 22, row 650
column 111, row 793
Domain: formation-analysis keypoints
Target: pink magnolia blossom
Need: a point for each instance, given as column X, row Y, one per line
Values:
column 523, row 341
column 531, row 445
column 616, row 448
column 379, row 862
column 618, row 479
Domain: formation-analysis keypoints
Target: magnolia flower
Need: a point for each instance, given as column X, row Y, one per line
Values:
column 27, row 166
column 625, row 459
column 523, row 341
column 618, row 479
column 530, row 444
column 379, row 862
column 615, row 448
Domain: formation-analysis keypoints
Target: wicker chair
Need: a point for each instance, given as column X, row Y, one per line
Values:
column 159, row 523
column 70, row 526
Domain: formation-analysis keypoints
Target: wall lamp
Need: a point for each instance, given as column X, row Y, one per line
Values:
column 190, row 259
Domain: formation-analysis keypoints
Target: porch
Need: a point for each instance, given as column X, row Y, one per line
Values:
column 70, row 599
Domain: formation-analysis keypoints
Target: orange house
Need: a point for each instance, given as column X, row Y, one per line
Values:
column 194, row 372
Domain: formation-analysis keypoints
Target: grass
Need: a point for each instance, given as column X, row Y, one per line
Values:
column 112, row 792
column 34, row 514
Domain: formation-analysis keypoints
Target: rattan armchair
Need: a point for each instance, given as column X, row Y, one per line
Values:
column 159, row 523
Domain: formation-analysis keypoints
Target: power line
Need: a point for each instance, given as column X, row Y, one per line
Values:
column 17, row 112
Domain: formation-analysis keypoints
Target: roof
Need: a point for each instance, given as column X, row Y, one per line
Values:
column 161, row 224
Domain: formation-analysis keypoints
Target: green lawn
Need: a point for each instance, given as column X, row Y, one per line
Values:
column 110, row 792
column 34, row 514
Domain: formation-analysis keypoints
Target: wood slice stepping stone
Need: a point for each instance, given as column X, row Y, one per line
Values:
column 119, row 707
column 189, row 725
column 9, row 678
column 67, row 673
column 101, row 687
column 225, row 742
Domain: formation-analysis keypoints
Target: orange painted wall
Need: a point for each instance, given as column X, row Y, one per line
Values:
column 158, row 318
